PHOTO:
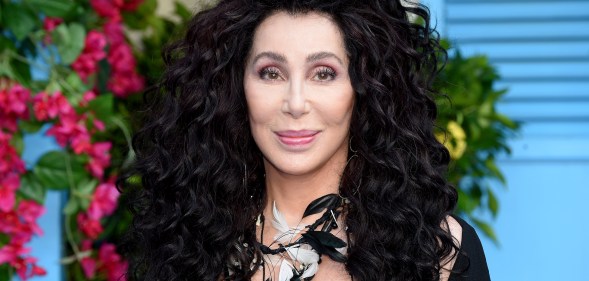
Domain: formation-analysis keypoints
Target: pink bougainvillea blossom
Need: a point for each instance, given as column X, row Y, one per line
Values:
column 10, row 162
column 8, row 187
column 87, row 98
column 114, row 32
column 26, row 267
column 90, row 227
column 124, row 79
column 112, row 263
column 130, row 5
column 50, row 23
column 13, row 105
column 11, row 252
column 71, row 129
column 87, row 63
column 50, row 106
column 89, row 267
column 88, row 263
column 108, row 8
column 22, row 266
column 29, row 212
column 104, row 201
column 14, row 253
column 99, row 158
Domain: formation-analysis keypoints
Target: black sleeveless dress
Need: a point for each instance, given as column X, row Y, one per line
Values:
column 471, row 259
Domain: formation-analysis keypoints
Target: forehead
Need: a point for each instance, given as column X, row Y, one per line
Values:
column 292, row 34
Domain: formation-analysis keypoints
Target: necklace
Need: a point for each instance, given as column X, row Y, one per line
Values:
column 299, row 258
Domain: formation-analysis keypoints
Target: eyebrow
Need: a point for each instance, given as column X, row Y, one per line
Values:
column 310, row 58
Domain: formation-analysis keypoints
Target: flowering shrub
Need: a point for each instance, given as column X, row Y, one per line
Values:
column 93, row 73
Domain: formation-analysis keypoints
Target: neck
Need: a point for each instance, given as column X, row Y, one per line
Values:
column 293, row 193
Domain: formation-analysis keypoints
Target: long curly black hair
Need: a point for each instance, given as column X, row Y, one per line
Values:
column 202, row 174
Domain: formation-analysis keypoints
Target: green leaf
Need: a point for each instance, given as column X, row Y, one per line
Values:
column 182, row 11
column 493, row 203
column 140, row 18
column 70, row 41
column 6, row 44
column 72, row 206
column 495, row 172
column 86, row 187
column 102, row 106
column 17, row 142
column 103, row 76
column 30, row 126
column 19, row 20
column 31, row 188
column 76, row 83
column 486, row 228
column 55, row 168
column 53, row 8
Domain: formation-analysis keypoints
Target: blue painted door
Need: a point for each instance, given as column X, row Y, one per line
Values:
column 541, row 49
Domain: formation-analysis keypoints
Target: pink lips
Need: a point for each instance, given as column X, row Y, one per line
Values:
column 297, row 138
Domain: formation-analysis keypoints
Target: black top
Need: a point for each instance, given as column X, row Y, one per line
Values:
column 473, row 265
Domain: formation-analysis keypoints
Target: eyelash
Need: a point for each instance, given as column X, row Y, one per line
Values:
column 265, row 72
column 325, row 71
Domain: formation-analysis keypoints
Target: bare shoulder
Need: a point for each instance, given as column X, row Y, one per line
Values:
column 455, row 229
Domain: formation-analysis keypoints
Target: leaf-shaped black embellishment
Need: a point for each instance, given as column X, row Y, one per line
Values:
column 327, row 239
column 325, row 243
column 329, row 201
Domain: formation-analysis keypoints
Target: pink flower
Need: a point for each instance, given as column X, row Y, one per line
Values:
column 90, row 227
column 8, row 187
column 124, row 79
column 88, row 264
column 49, row 107
column 13, row 106
column 49, row 23
column 131, row 5
column 112, row 262
column 121, row 59
column 22, row 266
column 10, row 161
column 107, row 8
column 89, row 267
column 30, row 211
column 87, row 63
column 99, row 158
column 124, row 85
column 11, row 252
column 104, row 201
column 99, row 125
column 71, row 129
column 87, row 97
column 114, row 33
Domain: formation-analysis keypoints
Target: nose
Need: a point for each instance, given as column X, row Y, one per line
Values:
column 295, row 102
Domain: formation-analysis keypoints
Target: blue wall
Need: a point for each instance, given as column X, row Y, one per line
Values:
column 541, row 49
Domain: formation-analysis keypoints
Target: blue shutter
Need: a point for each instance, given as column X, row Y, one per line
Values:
column 541, row 49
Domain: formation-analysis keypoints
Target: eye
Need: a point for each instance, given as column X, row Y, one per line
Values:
column 324, row 74
column 270, row 73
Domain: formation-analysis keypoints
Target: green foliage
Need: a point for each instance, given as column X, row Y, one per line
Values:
column 474, row 133
column 70, row 41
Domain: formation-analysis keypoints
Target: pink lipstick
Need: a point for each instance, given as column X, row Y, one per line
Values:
column 297, row 138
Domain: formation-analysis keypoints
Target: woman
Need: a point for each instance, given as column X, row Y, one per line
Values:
column 294, row 140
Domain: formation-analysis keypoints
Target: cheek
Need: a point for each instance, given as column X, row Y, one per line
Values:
column 338, row 110
column 260, row 104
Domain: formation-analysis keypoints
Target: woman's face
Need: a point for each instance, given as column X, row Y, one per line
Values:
column 299, row 94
